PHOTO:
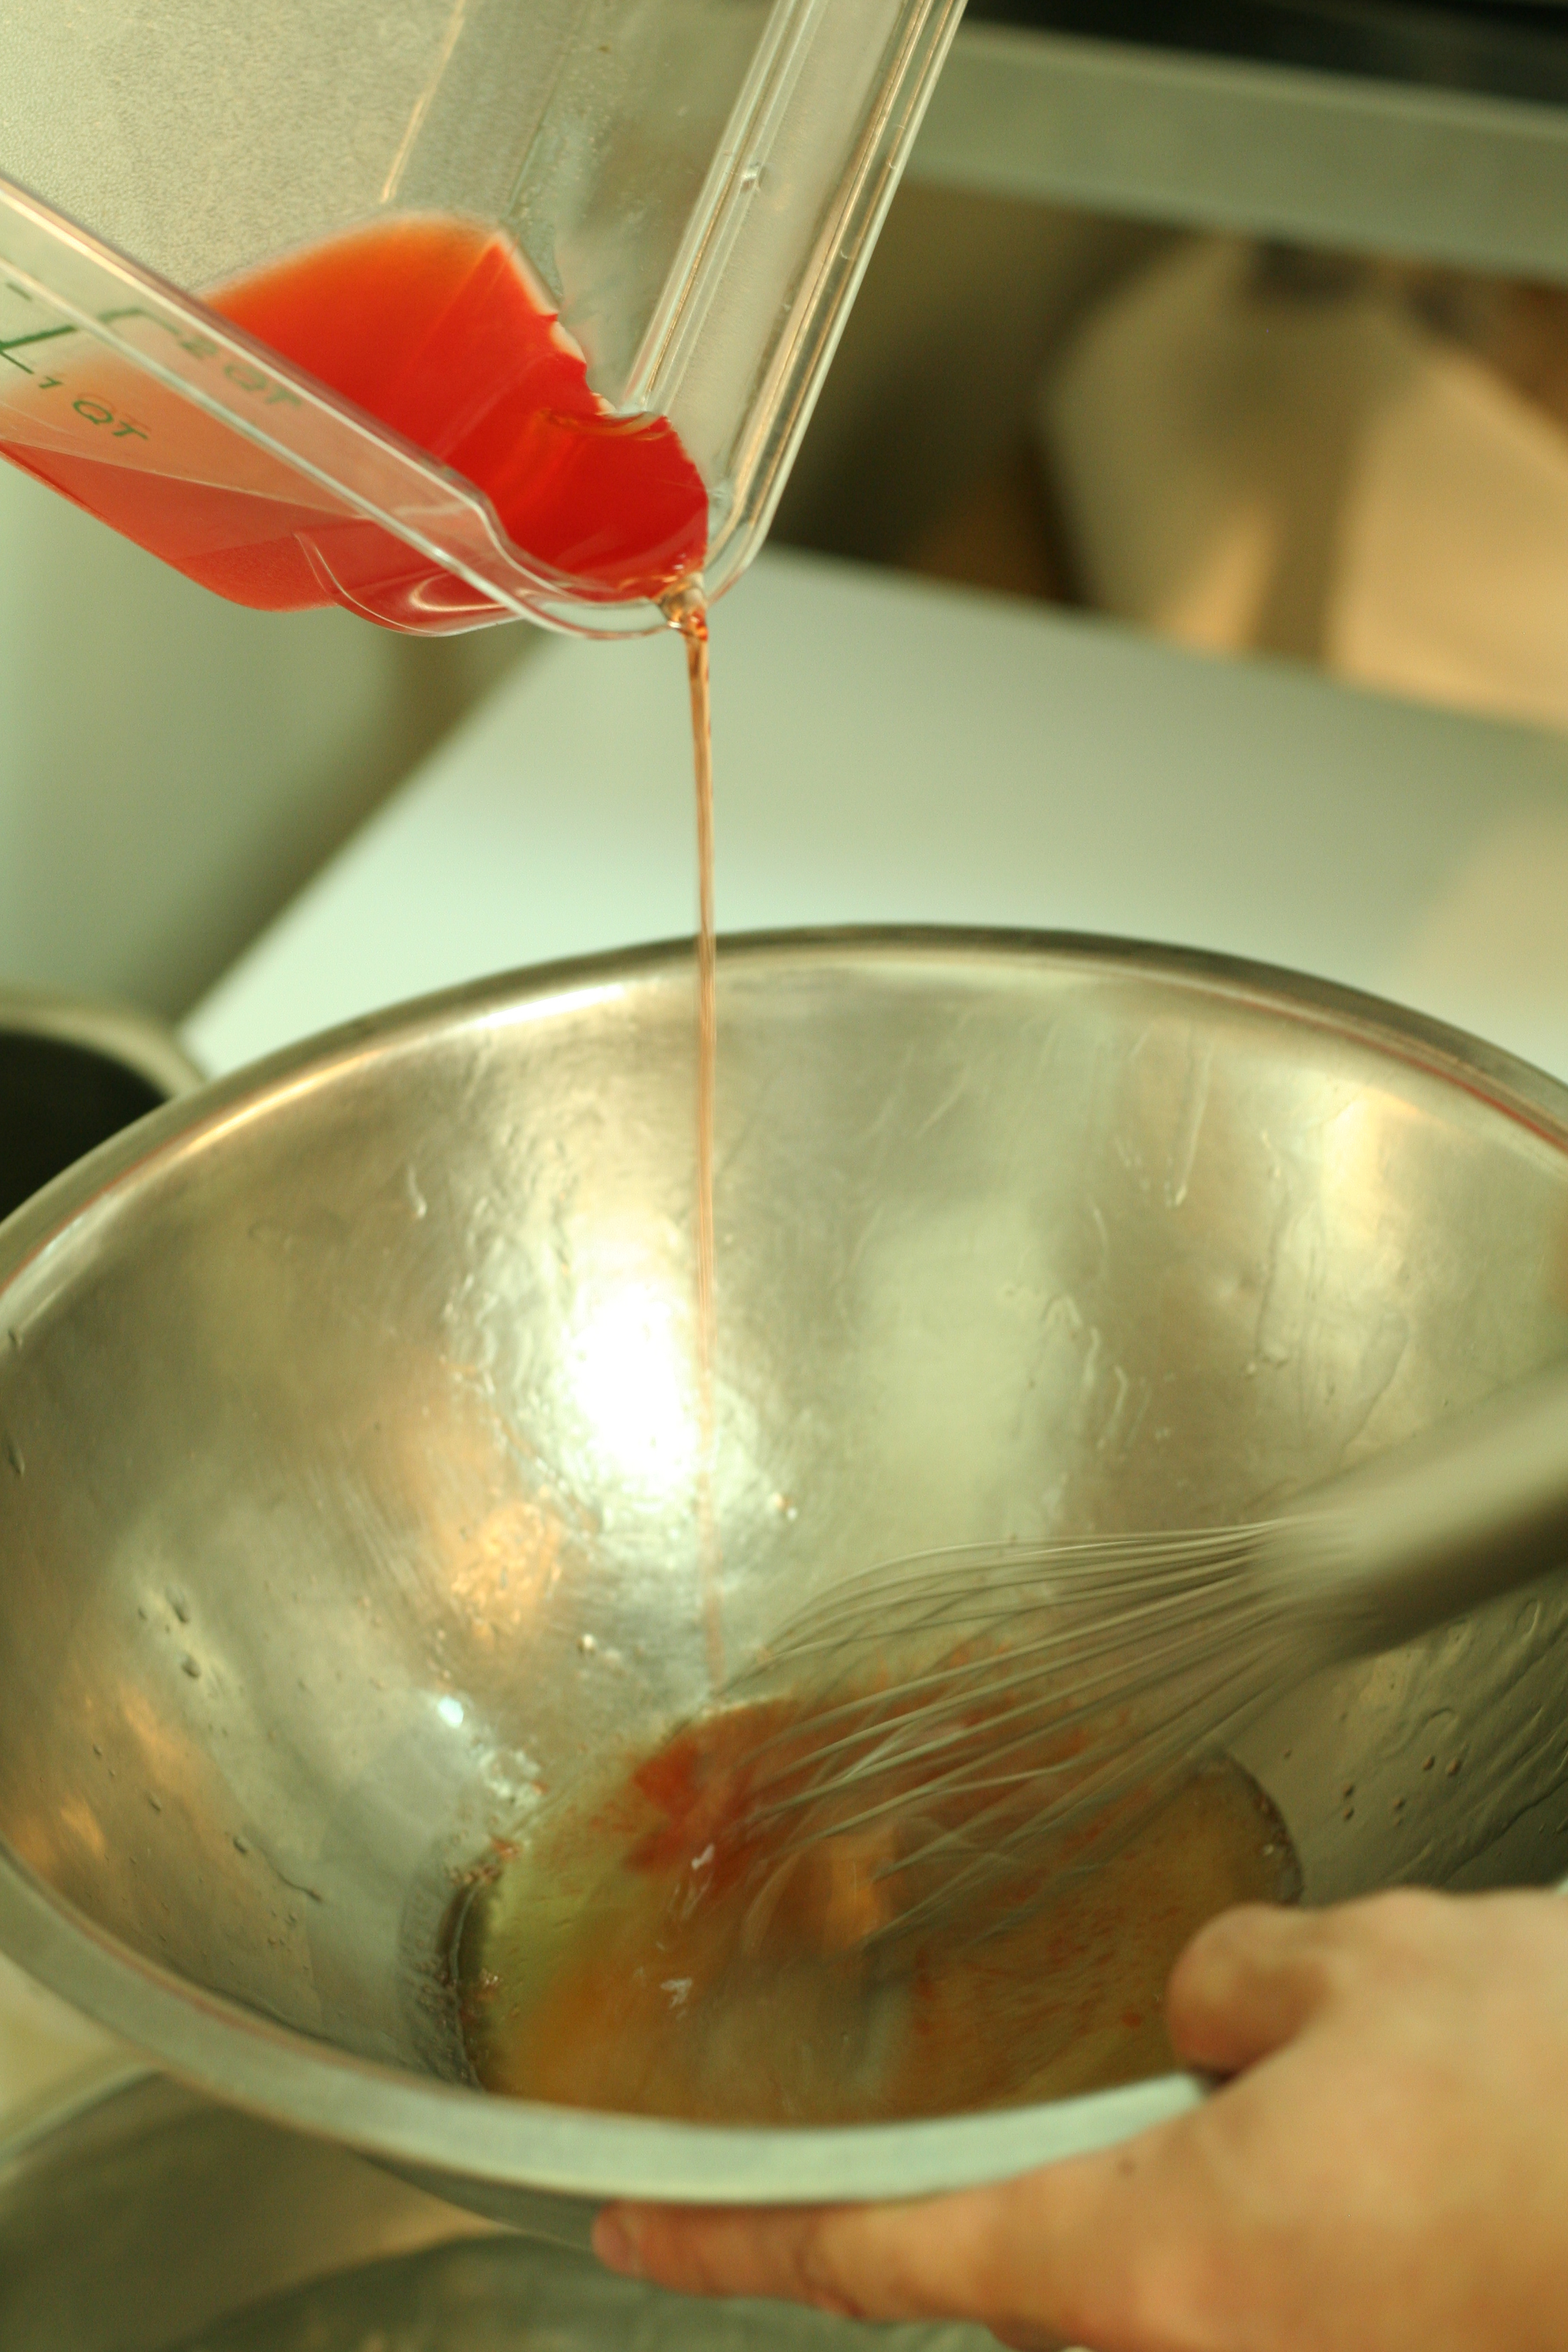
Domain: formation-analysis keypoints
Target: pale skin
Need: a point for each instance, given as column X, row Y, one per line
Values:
column 1385, row 2170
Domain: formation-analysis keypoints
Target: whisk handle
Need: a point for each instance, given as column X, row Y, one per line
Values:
column 1477, row 1506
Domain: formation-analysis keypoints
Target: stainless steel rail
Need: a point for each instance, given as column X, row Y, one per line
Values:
column 1328, row 159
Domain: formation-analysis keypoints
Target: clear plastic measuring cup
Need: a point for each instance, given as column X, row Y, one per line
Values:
column 445, row 311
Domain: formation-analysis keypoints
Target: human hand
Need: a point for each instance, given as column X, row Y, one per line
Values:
column 1386, row 2170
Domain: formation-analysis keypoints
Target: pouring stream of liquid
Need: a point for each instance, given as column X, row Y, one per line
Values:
column 688, row 613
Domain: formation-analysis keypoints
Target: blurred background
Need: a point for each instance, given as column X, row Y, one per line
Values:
column 1244, row 324
column 1287, row 375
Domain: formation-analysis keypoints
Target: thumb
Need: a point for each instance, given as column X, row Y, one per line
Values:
column 1248, row 1983
column 1080, row 2252
column 934, row 2259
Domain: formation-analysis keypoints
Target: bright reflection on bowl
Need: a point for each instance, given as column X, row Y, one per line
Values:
column 628, row 1371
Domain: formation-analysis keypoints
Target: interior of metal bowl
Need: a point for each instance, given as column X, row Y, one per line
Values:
column 348, row 1449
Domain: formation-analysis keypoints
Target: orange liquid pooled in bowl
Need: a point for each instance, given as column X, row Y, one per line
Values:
column 659, row 1955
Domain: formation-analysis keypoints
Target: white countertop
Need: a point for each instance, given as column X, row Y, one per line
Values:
column 890, row 751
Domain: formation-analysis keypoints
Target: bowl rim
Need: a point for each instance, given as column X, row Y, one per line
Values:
column 432, row 2127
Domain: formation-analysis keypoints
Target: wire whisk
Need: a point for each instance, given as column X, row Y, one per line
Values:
column 947, row 1734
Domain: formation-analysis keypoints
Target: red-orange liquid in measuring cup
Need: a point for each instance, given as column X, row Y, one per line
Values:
column 432, row 327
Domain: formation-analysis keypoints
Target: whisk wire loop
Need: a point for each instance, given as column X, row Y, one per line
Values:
column 983, row 1718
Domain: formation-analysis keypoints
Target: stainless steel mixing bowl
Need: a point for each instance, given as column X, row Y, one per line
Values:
column 348, row 1454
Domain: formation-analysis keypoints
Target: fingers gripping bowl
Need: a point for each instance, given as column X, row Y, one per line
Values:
column 349, row 1456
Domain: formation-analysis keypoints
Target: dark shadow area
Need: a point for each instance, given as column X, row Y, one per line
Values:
column 59, row 1100
column 1517, row 50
